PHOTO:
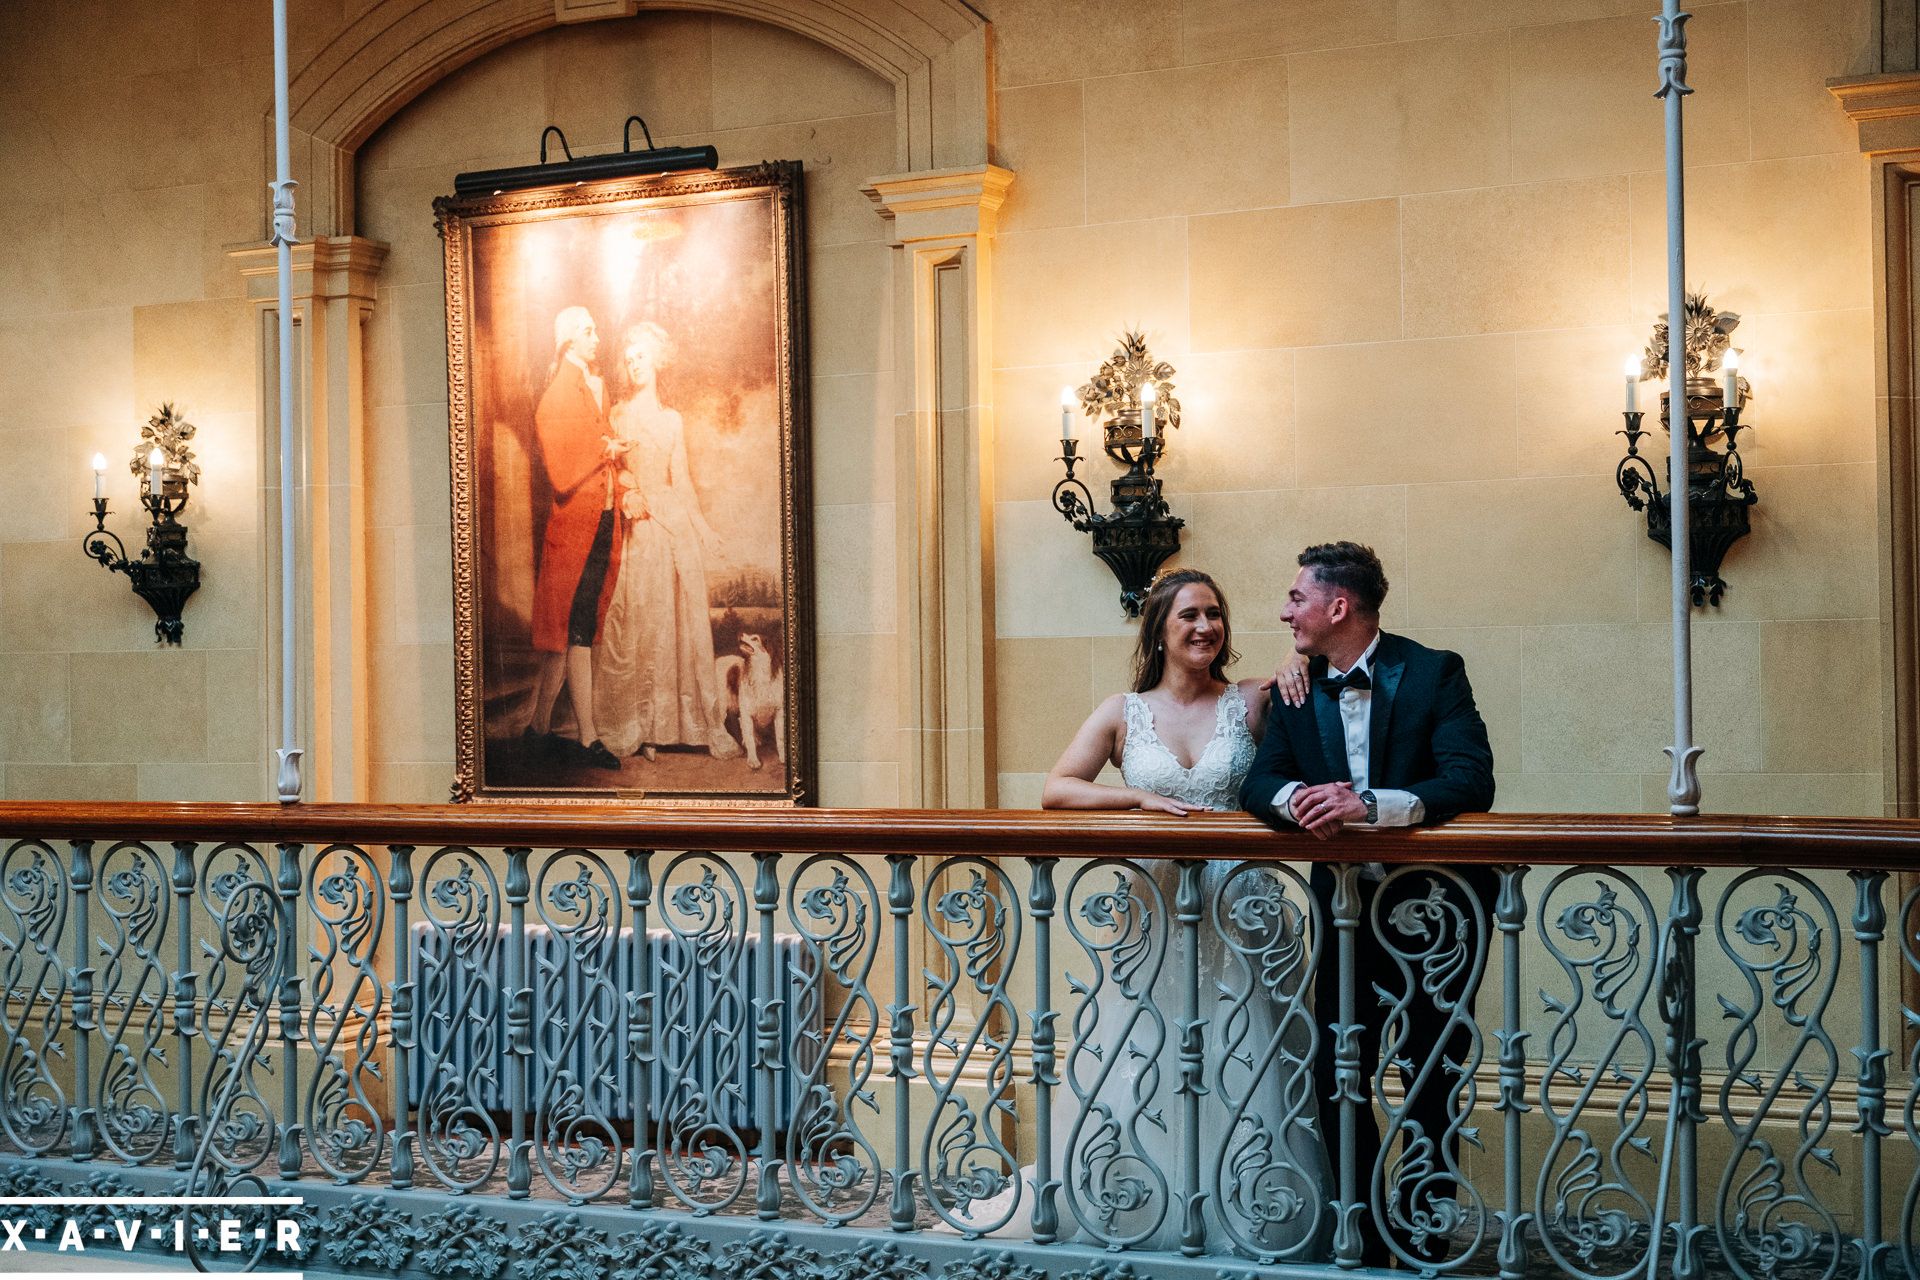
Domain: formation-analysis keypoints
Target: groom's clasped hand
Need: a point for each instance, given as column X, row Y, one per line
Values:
column 1326, row 809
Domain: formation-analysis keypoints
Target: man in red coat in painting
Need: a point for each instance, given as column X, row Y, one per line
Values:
column 580, row 554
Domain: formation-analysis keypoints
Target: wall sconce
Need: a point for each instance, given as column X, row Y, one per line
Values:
column 1718, row 492
column 1135, row 395
column 164, row 575
column 624, row 163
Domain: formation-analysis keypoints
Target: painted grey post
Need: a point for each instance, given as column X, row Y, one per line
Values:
column 1348, row 1090
column 80, row 880
column 405, row 1023
column 1186, row 913
column 1683, row 785
column 1041, row 901
column 900, row 1047
column 287, row 781
column 766, row 1016
column 186, row 1125
column 1870, row 930
column 519, row 1023
column 640, row 1027
column 1679, row 1158
column 291, row 1130
column 1510, row 914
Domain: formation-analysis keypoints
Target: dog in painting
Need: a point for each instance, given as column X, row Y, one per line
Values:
column 756, row 692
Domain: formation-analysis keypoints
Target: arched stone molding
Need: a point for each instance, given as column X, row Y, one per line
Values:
column 941, row 200
column 935, row 53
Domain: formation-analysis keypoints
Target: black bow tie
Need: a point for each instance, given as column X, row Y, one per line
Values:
column 1354, row 679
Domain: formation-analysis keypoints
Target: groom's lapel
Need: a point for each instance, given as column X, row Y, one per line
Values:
column 1326, row 714
column 1389, row 664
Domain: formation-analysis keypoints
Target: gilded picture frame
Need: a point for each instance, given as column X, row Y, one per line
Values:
column 628, row 434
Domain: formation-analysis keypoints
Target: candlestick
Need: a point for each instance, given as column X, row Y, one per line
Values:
column 1632, row 369
column 99, row 476
column 1146, row 411
column 1066, row 415
column 1730, row 367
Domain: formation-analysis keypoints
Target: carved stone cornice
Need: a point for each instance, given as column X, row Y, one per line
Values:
column 942, row 204
column 1885, row 108
column 327, row 267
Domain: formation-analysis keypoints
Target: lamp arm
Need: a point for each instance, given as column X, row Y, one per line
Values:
column 1638, row 483
column 94, row 543
column 1074, row 501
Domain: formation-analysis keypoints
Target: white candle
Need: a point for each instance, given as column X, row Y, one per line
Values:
column 1730, row 366
column 156, row 461
column 1631, row 367
column 1146, row 411
column 99, row 476
column 1066, row 415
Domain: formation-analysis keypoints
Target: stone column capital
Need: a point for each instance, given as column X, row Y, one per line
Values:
column 324, row 268
column 941, row 204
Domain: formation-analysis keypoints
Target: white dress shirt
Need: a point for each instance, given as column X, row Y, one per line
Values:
column 1395, row 808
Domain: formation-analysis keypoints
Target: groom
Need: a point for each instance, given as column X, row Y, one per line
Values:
column 1389, row 737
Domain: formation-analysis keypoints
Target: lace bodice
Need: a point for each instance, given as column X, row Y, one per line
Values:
column 1214, row 781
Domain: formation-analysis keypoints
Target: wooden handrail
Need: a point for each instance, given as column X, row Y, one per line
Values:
column 1881, row 844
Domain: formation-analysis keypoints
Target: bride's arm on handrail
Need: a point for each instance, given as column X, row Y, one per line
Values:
column 1071, row 783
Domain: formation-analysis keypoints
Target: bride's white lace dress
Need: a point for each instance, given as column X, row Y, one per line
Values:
column 1119, row 1127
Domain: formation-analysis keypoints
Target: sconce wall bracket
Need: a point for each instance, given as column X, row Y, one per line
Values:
column 1718, row 492
column 1140, row 533
column 163, row 575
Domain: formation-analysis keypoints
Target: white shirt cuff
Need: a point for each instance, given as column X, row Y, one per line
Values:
column 1398, row 808
column 1283, row 801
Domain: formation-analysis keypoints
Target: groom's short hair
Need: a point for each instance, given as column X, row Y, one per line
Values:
column 1351, row 568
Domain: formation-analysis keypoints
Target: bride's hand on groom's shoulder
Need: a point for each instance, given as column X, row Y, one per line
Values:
column 1291, row 680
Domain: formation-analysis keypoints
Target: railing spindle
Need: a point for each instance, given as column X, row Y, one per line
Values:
column 80, row 880
column 1187, row 903
column 290, row 977
column 640, row 1027
column 1870, row 930
column 900, row 1205
column 1510, row 916
column 186, row 1125
column 519, row 1022
column 767, row 1006
column 405, row 992
column 1348, row 1089
column 1041, row 901
column 1678, row 1007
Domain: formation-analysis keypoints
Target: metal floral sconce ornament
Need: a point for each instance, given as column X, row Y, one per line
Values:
column 1133, row 393
column 163, row 575
column 1718, row 492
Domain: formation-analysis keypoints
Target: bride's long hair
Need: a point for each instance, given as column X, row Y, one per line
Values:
column 1150, row 658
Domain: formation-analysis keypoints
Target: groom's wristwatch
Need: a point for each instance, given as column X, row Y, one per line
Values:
column 1373, row 807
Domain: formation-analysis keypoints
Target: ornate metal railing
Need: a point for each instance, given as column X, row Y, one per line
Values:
column 990, row 1046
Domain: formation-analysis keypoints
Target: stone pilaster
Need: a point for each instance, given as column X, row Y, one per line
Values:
column 943, row 225
column 333, row 294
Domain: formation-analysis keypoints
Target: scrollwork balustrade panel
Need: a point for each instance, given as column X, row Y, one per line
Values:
column 1577, row 1070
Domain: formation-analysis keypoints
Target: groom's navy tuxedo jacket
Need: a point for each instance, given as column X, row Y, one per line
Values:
column 1424, row 736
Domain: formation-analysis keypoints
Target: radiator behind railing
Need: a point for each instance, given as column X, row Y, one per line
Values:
column 793, row 962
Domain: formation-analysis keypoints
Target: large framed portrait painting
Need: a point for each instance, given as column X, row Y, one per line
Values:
column 627, row 415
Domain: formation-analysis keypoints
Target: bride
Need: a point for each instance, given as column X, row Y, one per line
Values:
column 1183, row 739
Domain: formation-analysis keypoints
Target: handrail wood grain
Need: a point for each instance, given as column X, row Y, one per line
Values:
column 1881, row 844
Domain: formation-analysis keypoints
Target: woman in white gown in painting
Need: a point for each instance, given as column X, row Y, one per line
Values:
column 1183, row 739
column 654, row 681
